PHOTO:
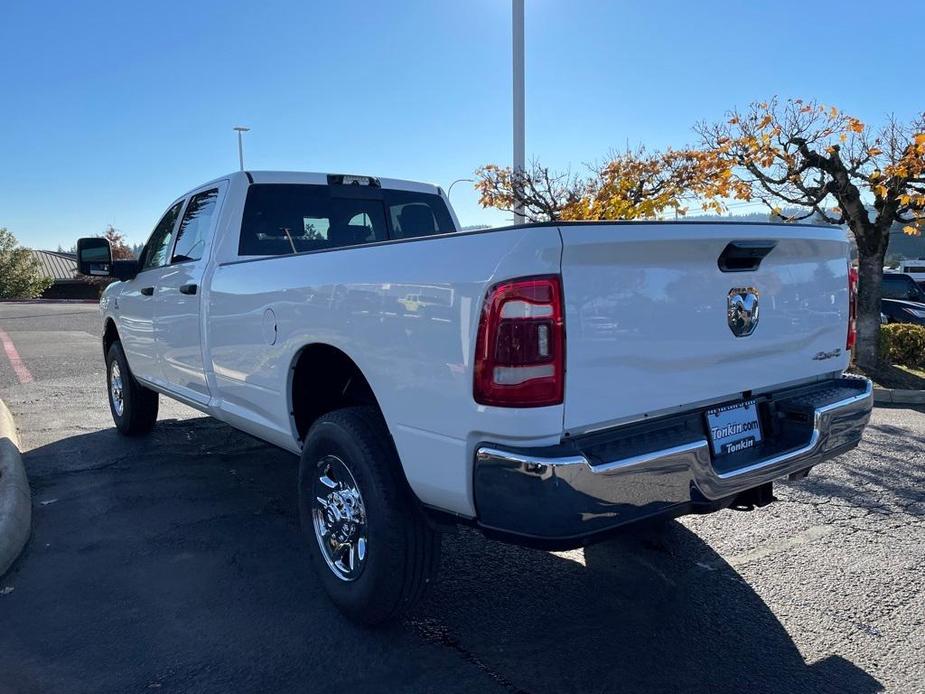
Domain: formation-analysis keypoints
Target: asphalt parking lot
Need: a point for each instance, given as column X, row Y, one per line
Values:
column 175, row 563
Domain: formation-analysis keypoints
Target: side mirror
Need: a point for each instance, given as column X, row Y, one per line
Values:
column 94, row 257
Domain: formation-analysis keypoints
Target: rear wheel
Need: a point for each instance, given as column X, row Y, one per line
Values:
column 370, row 544
column 133, row 407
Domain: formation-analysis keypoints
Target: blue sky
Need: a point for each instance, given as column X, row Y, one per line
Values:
column 109, row 110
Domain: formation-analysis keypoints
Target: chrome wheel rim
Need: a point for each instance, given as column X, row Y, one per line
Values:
column 339, row 517
column 115, row 388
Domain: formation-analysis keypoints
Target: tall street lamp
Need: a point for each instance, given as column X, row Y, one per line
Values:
column 458, row 180
column 517, row 43
column 241, row 130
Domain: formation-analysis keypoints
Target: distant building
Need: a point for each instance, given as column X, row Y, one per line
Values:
column 62, row 268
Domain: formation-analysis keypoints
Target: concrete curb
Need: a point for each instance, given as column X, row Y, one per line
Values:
column 15, row 498
column 886, row 396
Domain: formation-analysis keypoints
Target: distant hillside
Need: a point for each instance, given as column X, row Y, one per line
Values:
column 752, row 217
column 901, row 245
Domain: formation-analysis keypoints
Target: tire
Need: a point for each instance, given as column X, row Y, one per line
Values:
column 138, row 404
column 395, row 551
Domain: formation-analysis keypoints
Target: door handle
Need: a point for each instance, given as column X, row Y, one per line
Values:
column 147, row 291
column 742, row 256
column 188, row 289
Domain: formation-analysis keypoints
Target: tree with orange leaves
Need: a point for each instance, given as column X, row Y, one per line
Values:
column 628, row 185
column 120, row 249
column 801, row 153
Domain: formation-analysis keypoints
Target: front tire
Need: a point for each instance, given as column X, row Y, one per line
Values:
column 370, row 544
column 133, row 407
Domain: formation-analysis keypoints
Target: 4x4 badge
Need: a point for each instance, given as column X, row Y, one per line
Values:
column 822, row 356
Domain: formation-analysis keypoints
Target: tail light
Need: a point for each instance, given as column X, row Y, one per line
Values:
column 852, row 308
column 520, row 350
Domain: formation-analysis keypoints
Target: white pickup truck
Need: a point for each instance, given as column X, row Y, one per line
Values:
column 546, row 383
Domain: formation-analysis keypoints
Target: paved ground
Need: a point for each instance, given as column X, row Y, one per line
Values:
column 174, row 563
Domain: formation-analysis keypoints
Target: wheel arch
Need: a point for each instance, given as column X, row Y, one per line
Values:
column 323, row 378
column 110, row 334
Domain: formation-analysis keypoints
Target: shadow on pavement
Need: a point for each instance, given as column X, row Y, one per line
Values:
column 175, row 562
column 653, row 610
column 879, row 477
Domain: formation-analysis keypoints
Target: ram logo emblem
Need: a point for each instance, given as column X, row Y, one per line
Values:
column 742, row 308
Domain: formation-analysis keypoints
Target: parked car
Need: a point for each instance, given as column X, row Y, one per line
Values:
column 915, row 269
column 902, row 299
column 546, row 383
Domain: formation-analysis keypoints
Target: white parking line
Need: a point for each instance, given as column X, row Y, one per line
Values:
column 22, row 371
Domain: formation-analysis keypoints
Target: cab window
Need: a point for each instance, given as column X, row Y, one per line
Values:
column 417, row 214
column 158, row 246
column 281, row 219
column 194, row 229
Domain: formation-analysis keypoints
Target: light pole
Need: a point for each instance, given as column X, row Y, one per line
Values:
column 241, row 130
column 458, row 180
column 517, row 21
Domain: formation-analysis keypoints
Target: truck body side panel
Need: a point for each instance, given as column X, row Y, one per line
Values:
column 407, row 314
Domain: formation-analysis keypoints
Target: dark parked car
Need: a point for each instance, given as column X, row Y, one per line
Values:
column 915, row 269
column 903, row 300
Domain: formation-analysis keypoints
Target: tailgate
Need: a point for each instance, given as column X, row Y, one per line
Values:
column 648, row 319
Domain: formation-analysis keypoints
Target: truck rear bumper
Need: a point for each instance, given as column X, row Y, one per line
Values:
column 567, row 495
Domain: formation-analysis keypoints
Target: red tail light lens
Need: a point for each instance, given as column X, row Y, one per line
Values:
column 520, row 350
column 852, row 308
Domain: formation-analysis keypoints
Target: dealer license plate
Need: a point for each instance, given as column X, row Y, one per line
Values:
column 734, row 428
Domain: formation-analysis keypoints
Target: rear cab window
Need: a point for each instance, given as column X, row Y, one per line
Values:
column 283, row 218
column 417, row 214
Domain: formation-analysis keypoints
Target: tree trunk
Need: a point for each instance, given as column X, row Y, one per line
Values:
column 870, row 275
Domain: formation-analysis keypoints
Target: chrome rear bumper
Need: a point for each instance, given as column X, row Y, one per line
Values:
column 574, row 491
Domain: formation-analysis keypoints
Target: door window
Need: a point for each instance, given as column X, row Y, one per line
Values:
column 194, row 229
column 158, row 246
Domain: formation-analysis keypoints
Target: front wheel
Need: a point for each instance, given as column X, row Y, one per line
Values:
column 133, row 407
column 370, row 544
